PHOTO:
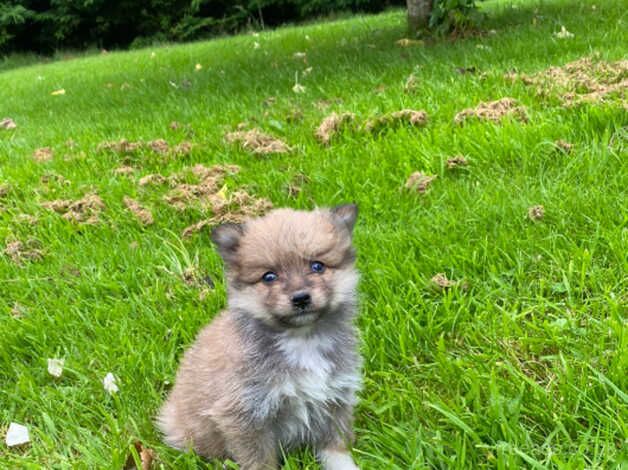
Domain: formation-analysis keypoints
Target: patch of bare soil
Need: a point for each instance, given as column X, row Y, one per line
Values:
column 494, row 111
column 585, row 80
column 143, row 215
column 405, row 116
column 331, row 125
column 4, row 190
column 20, row 252
column 457, row 161
column 43, row 154
column 536, row 213
column 7, row 123
column 419, row 182
column 85, row 210
column 257, row 142
column 234, row 208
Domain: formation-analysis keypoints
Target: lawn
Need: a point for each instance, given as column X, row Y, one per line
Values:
column 520, row 363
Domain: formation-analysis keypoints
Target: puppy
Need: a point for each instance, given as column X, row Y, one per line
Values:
column 279, row 368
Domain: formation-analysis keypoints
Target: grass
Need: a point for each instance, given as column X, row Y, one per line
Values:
column 524, row 369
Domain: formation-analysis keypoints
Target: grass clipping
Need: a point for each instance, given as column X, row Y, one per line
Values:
column 586, row 80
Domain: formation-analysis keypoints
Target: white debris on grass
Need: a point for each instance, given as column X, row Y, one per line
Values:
column 563, row 33
column 109, row 382
column 17, row 434
column 55, row 367
column 297, row 88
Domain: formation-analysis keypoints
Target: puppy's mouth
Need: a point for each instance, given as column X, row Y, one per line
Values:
column 299, row 318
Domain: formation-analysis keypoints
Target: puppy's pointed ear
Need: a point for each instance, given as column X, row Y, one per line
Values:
column 227, row 238
column 346, row 214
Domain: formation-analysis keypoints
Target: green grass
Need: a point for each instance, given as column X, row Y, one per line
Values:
column 527, row 368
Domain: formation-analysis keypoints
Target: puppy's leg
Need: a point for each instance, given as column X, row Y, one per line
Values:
column 334, row 451
column 253, row 451
column 336, row 458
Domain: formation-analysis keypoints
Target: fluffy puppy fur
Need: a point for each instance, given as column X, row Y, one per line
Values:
column 279, row 368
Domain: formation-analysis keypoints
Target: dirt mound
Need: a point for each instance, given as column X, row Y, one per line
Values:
column 257, row 142
column 207, row 193
column 493, row 111
column 331, row 125
column 564, row 145
column 43, row 154
column 19, row 251
column 397, row 118
column 588, row 79
column 234, row 208
column 419, row 182
column 119, row 146
column 536, row 213
column 85, row 210
column 142, row 214
column 158, row 146
column 124, row 170
column 457, row 161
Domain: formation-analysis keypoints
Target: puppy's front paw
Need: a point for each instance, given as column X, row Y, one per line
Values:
column 337, row 460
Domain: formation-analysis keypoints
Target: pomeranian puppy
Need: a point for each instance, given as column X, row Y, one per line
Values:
column 279, row 368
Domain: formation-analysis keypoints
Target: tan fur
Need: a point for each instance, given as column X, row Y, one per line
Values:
column 265, row 375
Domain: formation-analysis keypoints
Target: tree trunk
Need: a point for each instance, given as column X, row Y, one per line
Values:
column 418, row 15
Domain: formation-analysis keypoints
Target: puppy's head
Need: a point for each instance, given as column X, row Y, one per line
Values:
column 290, row 268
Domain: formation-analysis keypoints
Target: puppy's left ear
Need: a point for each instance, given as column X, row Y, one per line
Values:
column 346, row 214
column 227, row 239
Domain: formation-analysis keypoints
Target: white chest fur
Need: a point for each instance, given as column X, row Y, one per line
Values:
column 311, row 386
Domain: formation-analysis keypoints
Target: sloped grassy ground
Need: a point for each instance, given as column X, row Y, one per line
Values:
column 521, row 365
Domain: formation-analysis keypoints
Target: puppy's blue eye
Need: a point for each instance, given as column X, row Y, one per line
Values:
column 269, row 277
column 317, row 266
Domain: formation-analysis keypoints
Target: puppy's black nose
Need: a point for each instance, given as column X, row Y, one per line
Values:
column 301, row 299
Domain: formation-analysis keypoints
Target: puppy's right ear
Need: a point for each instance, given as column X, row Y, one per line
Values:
column 227, row 238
